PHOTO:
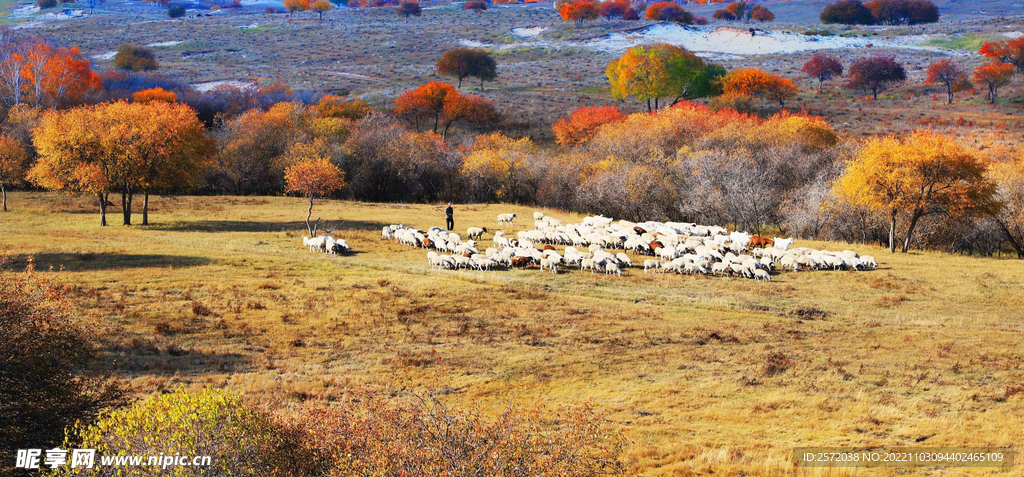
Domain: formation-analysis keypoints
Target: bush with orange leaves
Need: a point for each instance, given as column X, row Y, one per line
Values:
column 441, row 105
column 759, row 83
column 669, row 12
column 993, row 75
column 582, row 124
column 371, row 435
column 311, row 175
column 578, row 12
column 154, row 94
column 1007, row 51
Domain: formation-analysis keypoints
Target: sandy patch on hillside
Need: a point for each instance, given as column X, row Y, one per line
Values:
column 104, row 56
column 212, row 85
column 724, row 40
column 528, row 32
column 163, row 44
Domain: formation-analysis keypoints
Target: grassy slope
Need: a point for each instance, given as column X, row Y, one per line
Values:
column 921, row 349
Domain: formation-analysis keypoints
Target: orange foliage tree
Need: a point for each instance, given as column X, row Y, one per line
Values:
column 313, row 175
column 443, row 105
column 925, row 174
column 994, row 75
column 120, row 146
column 1007, row 51
column 297, row 6
column 949, row 74
column 330, row 106
column 45, row 75
column 578, row 12
column 154, row 94
column 582, row 124
column 13, row 162
column 668, row 12
column 756, row 82
column 501, row 164
column 823, row 68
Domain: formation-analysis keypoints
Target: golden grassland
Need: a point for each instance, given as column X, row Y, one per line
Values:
column 925, row 351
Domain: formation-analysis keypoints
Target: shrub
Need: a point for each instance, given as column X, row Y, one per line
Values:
column 775, row 363
column 410, row 8
column 44, row 4
column 138, row 58
column 847, row 12
column 630, row 14
column 669, row 12
column 475, row 5
column 46, row 382
column 428, row 438
column 240, row 439
column 723, row 14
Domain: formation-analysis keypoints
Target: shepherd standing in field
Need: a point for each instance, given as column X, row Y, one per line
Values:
column 449, row 216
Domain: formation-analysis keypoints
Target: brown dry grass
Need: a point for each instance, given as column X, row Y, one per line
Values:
column 705, row 374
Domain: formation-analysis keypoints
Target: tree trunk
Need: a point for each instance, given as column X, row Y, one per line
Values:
column 1017, row 246
column 103, row 209
column 648, row 105
column 656, row 104
column 874, row 91
column 145, row 208
column 949, row 94
column 126, row 207
column 309, row 213
column 892, row 232
column 460, row 81
column 910, row 232
column 4, row 190
column 820, row 84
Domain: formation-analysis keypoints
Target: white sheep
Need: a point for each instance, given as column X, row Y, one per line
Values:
column 869, row 262
column 588, row 264
column 386, row 233
column 538, row 215
column 761, row 275
column 506, row 219
column 612, row 268
column 548, row 264
column 783, row 243
column 624, row 259
column 651, row 263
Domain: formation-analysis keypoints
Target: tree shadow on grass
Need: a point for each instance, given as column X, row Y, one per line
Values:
column 263, row 226
column 104, row 261
column 146, row 357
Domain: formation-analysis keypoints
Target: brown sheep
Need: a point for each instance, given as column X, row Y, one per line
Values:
column 655, row 245
column 639, row 230
column 549, row 247
column 520, row 262
column 761, row 242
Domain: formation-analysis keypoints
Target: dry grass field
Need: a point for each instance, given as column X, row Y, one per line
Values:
column 705, row 375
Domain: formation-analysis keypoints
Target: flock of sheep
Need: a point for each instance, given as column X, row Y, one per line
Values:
column 326, row 244
column 683, row 248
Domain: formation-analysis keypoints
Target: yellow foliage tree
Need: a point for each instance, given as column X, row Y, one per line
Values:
column 1009, row 179
column 13, row 160
column 501, row 163
column 925, row 174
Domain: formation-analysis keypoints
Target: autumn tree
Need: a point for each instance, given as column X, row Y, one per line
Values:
column 823, row 68
column 476, row 6
column 761, row 14
column 578, row 12
column 668, row 12
column 1007, row 51
column 651, row 72
column 502, row 165
column 252, row 145
column 847, row 12
column 125, row 147
column 312, row 174
column 296, row 6
column 613, row 9
column 924, row 174
column 949, row 74
column 738, row 10
column 759, row 83
column 13, row 163
column 583, row 123
column 1008, row 177
column 135, row 58
column 441, row 104
column 330, row 106
column 406, row 9
column 899, row 12
column 462, row 63
column 321, row 7
column 994, row 75
column 44, row 75
column 875, row 74
column 154, row 94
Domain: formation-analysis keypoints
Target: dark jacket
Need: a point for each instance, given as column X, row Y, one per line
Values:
column 448, row 212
